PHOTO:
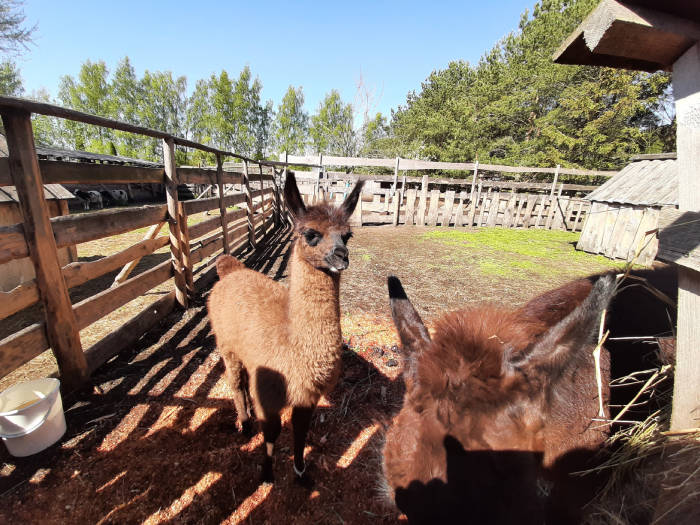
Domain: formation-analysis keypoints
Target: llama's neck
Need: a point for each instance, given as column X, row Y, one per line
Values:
column 314, row 309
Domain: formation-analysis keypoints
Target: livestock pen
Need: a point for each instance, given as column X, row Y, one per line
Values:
column 151, row 435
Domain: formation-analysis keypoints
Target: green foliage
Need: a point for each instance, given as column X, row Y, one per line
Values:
column 14, row 36
column 291, row 128
column 332, row 127
column 517, row 107
column 10, row 79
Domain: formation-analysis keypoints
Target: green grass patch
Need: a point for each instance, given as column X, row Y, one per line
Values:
column 518, row 253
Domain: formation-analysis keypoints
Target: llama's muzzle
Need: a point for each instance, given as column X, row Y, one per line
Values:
column 338, row 258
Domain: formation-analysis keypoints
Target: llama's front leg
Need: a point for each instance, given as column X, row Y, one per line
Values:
column 235, row 376
column 301, row 420
column 271, row 427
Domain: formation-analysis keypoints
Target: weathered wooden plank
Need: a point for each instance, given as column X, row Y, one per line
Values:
column 21, row 347
column 423, row 202
column 433, row 210
column 618, row 231
column 679, row 237
column 97, row 306
column 529, row 210
column 473, row 207
column 628, row 226
column 78, row 273
column 449, row 205
column 84, row 227
column 129, row 333
column 185, row 250
column 171, row 182
column 562, row 208
column 63, row 172
column 21, row 296
column 61, row 328
column 518, row 219
column 550, row 215
column 459, row 212
column 12, row 243
column 492, row 217
column 410, row 207
column 151, row 234
column 193, row 207
column 509, row 212
column 192, row 175
column 608, row 227
column 249, row 205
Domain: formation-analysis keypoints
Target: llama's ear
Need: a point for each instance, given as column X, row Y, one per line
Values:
column 408, row 323
column 292, row 197
column 555, row 349
column 350, row 201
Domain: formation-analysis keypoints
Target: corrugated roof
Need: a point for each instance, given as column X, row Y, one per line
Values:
column 642, row 183
column 51, row 192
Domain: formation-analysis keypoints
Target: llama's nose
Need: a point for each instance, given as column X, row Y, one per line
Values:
column 340, row 252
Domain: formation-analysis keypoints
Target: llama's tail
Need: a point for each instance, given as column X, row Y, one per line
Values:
column 226, row 264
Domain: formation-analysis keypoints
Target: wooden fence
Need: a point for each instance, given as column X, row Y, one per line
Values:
column 257, row 194
column 441, row 203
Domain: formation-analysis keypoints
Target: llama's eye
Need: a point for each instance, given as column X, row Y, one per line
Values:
column 312, row 237
column 347, row 237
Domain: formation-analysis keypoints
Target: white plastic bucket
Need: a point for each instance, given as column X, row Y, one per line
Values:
column 31, row 416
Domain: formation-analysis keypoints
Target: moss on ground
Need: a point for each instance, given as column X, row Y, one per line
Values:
column 518, row 253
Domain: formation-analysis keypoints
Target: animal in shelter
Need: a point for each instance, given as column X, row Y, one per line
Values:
column 500, row 409
column 282, row 345
column 89, row 199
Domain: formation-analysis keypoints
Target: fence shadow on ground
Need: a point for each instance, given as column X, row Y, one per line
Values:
column 154, row 439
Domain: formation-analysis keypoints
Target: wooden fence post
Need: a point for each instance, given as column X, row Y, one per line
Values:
column 554, row 182
column 262, row 200
column 249, row 205
column 396, row 176
column 474, row 176
column 185, row 250
column 61, row 325
column 222, row 206
column 423, row 202
column 174, row 221
column 278, row 199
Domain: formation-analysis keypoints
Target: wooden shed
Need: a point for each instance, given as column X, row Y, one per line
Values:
column 649, row 35
column 626, row 208
column 18, row 271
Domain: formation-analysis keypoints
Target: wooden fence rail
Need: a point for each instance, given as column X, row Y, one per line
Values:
column 39, row 237
column 440, row 206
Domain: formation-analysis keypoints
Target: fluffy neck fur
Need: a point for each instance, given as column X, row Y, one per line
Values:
column 314, row 309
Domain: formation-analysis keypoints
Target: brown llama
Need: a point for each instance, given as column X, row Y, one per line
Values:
column 499, row 409
column 282, row 346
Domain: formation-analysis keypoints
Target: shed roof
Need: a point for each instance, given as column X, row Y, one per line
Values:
column 645, row 35
column 51, row 192
column 641, row 183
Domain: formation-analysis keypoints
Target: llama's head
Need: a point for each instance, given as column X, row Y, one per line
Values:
column 494, row 399
column 323, row 231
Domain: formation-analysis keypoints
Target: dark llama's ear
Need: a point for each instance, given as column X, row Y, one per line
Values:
column 292, row 197
column 554, row 350
column 350, row 201
column 413, row 333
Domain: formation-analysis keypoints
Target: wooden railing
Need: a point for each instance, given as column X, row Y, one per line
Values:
column 39, row 237
column 441, row 203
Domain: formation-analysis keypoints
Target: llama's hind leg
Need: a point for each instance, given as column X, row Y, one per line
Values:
column 236, row 376
column 301, row 420
column 271, row 427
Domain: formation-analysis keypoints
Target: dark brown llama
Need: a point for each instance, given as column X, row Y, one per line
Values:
column 282, row 346
column 499, row 409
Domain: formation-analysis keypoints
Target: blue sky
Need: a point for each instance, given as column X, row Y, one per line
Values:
column 391, row 46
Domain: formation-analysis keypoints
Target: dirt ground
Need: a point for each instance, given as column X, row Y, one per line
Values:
column 153, row 438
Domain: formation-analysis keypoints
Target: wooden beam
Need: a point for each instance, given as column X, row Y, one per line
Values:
column 222, row 205
column 61, row 326
column 686, row 91
column 122, row 276
column 249, row 204
column 171, row 182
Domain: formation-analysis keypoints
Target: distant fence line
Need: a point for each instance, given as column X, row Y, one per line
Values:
column 443, row 206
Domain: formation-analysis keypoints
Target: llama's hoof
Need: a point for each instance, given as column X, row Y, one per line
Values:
column 247, row 428
column 303, row 478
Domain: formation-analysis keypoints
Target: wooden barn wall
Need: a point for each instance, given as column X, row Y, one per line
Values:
column 621, row 231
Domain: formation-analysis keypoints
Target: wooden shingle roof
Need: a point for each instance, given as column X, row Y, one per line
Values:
column 51, row 192
column 641, row 183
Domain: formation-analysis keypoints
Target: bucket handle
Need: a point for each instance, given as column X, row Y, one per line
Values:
column 52, row 398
